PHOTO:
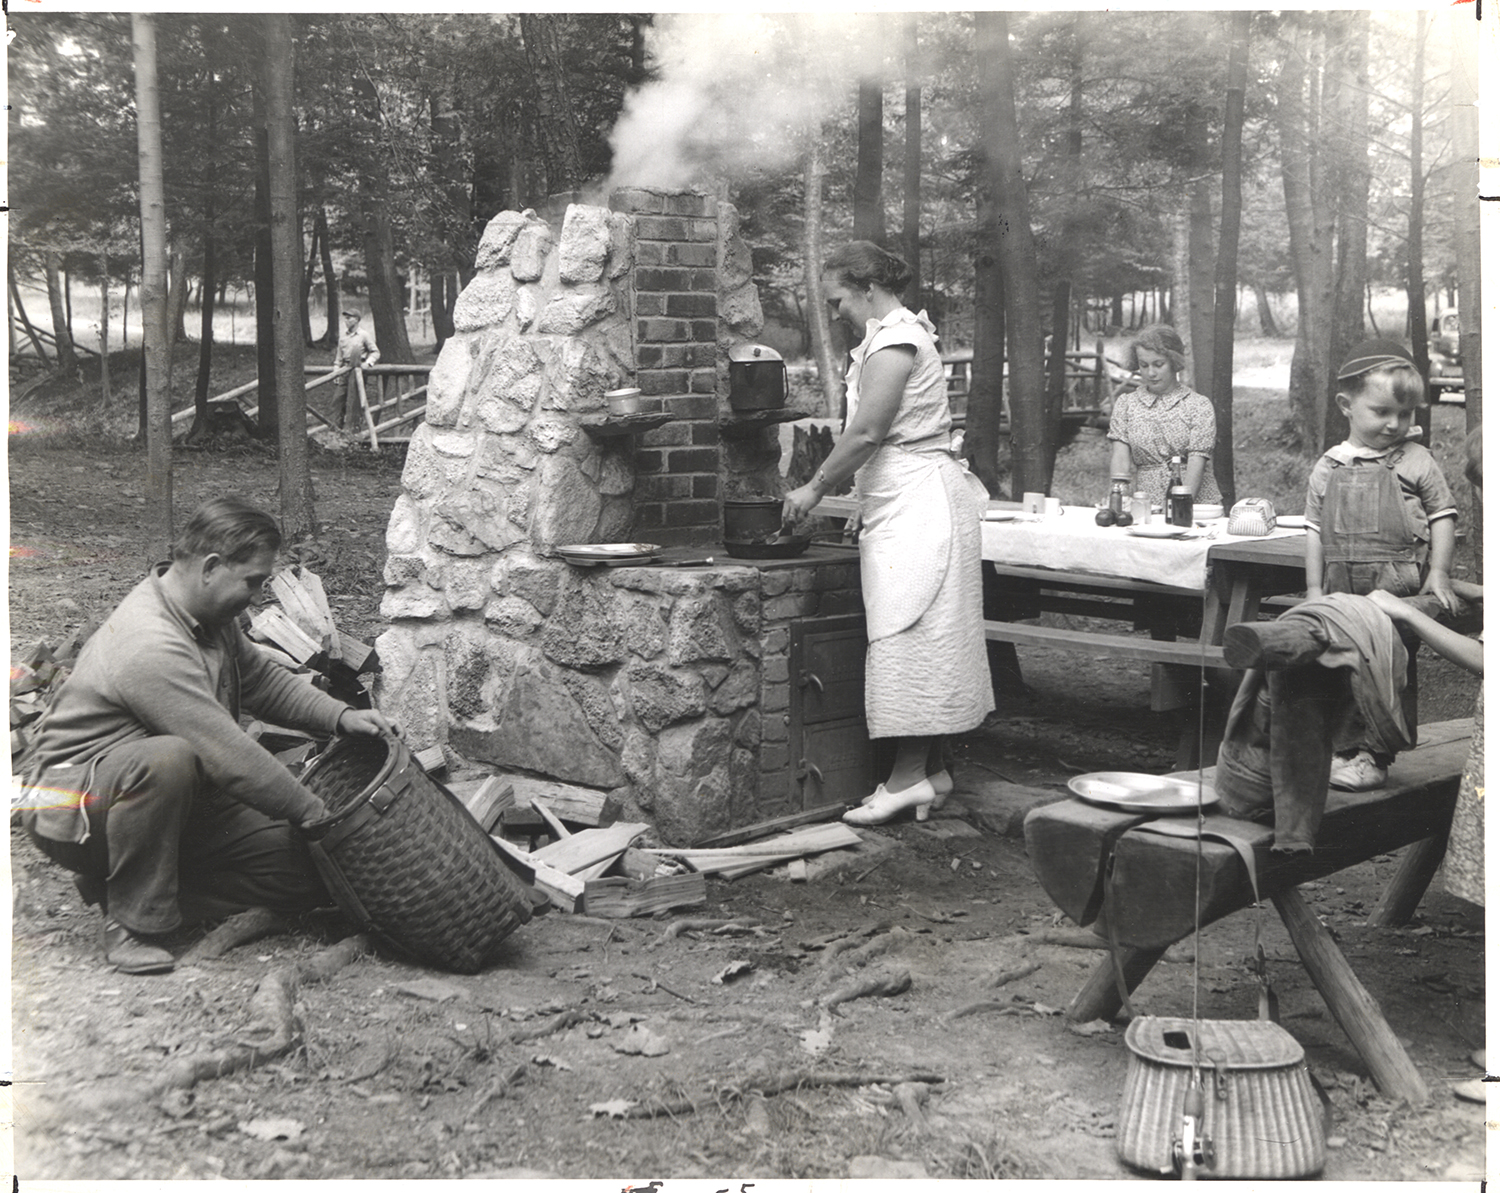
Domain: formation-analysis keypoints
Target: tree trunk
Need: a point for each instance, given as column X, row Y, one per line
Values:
column 1182, row 277
column 67, row 359
column 1310, row 237
column 205, row 321
column 1057, row 368
column 1226, row 268
column 829, row 373
column 869, row 210
column 911, row 188
column 1263, row 311
column 153, row 288
column 986, row 400
column 439, row 284
column 562, row 154
column 15, row 297
column 307, row 283
column 177, row 289
column 297, row 520
column 104, row 394
column 330, row 282
column 455, row 223
column 1348, row 140
column 1464, row 73
column 387, row 308
column 1200, row 309
column 1001, row 150
column 268, row 419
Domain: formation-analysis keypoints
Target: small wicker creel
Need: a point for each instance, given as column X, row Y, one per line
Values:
column 404, row 859
column 1262, row 1117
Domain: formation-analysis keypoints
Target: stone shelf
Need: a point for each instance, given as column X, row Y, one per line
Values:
column 613, row 426
column 747, row 422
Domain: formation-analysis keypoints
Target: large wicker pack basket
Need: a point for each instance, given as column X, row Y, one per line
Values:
column 1262, row 1118
column 405, row 860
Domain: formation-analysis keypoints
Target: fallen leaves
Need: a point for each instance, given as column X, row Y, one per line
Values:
column 273, row 1130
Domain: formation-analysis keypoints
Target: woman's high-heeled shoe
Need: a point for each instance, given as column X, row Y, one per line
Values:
column 942, row 786
column 883, row 804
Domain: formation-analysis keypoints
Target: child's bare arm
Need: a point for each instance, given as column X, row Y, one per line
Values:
column 1314, row 562
column 1440, row 563
column 1467, row 652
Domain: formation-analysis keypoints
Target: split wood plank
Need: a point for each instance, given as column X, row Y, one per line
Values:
column 301, row 596
column 576, row 805
column 559, row 829
column 431, row 760
column 564, row 891
column 273, row 625
column 617, row 898
column 489, row 801
column 767, row 828
column 587, row 848
column 733, row 861
column 354, row 653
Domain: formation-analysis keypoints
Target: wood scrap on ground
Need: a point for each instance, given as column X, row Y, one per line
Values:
column 487, row 800
column 984, row 1006
column 882, row 983
column 623, row 897
column 1007, row 976
column 733, row 861
column 678, row 927
column 768, row 828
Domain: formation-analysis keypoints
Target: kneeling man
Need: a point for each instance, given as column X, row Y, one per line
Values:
column 140, row 779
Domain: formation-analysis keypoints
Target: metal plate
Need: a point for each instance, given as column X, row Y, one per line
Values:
column 1141, row 793
column 1157, row 530
column 588, row 554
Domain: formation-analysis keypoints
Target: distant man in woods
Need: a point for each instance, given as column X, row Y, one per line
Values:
column 140, row 779
column 356, row 351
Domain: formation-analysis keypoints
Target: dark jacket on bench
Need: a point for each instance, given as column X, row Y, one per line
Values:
column 1278, row 744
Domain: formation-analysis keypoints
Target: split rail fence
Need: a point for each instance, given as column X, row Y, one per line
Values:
column 392, row 397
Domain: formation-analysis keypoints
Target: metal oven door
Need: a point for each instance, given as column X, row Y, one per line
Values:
column 831, row 754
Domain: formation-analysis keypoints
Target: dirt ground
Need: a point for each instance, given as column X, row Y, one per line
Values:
column 545, row 1064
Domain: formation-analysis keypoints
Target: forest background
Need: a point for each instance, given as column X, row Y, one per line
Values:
column 1052, row 176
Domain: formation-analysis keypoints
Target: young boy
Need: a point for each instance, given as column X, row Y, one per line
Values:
column 1380, row 516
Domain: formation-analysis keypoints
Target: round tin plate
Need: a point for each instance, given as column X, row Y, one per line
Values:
column 1129, row 791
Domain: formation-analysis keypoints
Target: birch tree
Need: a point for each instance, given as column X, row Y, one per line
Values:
column 153, row 288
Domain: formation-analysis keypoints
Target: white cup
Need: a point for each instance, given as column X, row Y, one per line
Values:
column 1053, row 507
column 1032, row 503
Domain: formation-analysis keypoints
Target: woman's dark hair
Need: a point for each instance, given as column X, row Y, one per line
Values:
column 862, row 263
column 1157, row 338
column 1474, row 457
column 229, row 528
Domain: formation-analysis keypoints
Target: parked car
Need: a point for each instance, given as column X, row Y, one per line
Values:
column 1442, row 345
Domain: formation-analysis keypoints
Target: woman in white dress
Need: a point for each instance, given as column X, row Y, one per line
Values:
column 926, row 671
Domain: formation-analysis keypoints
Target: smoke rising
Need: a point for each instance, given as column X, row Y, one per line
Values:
column 735, row 92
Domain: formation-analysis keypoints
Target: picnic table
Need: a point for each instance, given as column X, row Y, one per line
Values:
column 1184, row 591
column 1142, row 880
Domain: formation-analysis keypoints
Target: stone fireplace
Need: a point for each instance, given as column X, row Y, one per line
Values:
column 671, row 688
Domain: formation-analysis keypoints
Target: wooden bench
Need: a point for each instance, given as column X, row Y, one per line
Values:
column 1090, row 858
column 1126, row 646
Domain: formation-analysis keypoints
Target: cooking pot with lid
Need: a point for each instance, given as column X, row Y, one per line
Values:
column 757, row 378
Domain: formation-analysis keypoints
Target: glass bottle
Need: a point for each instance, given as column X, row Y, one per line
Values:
column 1179, row 497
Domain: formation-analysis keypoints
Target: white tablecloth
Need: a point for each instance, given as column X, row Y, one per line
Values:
column 1073, row 542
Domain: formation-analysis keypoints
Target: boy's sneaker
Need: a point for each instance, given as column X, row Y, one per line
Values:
column 1359, row 773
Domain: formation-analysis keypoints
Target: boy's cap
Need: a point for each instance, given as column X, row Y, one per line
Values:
column 352, row 311
column 1374, row 354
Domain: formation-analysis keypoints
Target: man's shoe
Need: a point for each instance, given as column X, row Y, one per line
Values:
column 128, row 953
column 1360, row 773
